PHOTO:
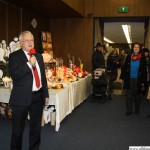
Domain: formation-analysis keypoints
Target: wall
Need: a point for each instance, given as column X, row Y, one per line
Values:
column 73, row 36
column 147, row 41
column 107, row 8
column 15, row 19
column 89, row 8
column 77, row 5
column 97, row 32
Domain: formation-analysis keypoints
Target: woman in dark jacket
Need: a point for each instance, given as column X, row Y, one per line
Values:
column 134, row 76
column 113, row 63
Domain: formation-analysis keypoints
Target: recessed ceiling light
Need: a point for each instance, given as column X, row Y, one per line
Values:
column 127, row 32
column 107, row 40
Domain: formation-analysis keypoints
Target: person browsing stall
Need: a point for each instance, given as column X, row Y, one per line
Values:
column 29, row 92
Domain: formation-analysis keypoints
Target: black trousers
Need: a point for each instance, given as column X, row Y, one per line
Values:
column 18, row 123
column 133, row 97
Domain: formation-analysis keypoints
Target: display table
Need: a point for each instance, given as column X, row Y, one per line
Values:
column 4, row 94
column 64, row 100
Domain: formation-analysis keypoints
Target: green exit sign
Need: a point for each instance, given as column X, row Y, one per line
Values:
column 123, row 9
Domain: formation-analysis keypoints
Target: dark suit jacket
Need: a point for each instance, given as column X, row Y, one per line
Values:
column 22, row 78
column 97, row 60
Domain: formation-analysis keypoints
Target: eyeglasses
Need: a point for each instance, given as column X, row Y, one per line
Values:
column 28, row 41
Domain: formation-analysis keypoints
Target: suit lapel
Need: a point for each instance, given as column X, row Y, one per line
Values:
column 23, row 56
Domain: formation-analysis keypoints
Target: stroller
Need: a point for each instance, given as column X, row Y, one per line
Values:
column 101, row 84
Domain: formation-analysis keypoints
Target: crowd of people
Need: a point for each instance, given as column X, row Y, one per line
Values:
column 135, row 72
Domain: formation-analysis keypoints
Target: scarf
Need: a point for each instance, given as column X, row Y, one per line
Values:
column 136, row 57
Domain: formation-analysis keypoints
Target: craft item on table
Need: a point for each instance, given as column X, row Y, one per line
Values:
column 7, row 81
column 81, row 67
column 85, row 73
column 8, row 51
column 3, row 42
column 72, row 59
column 70, row 64
column 17, row 43
column 1, row 73
column 79, row 60
column 46, row 56
column 16, row 39
column 4, row 46
column 12, row 46
column 80, row 75
column 68, row 56
column 59, row 86
column 70, row 78
column 53, row 85
column 60, row 72
column 49, row 74
column 60, row 62
column 2, row 53
column 77, row 70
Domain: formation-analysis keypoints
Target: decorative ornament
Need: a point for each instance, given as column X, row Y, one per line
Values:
column 34, row 23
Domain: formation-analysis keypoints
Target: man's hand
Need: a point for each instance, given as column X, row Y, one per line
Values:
column 46, row 100
column 32, row 60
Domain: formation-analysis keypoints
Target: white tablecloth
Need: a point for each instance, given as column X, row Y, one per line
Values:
column 4, row 94
column 65, row 100
column 59, row 98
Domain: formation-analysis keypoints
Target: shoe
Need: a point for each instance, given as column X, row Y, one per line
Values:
column 128, row 113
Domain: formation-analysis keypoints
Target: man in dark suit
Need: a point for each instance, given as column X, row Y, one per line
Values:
column 29, row 92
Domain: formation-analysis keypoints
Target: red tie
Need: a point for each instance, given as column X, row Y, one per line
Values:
column 36, row 76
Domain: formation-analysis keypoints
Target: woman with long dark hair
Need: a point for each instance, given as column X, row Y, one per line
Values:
column 113, row 63
column 134, row 76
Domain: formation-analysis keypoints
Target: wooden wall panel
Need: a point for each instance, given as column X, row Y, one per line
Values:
column 14, row 22
column 59, row 38
column 142, row 8
column 3, row 23
column 42, row 25
column 14, row 19
column 73, row 36
column 77, row 5
column 107, row 8
column 89, row 8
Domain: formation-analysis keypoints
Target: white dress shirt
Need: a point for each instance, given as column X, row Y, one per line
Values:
column 34, row 88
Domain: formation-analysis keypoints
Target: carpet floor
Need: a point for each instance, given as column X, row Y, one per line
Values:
column 91, row 126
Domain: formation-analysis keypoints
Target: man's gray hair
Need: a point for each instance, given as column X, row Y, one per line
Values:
column 24, row 32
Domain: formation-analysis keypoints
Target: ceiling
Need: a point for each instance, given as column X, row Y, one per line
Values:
column 114, row 32
column 113, row 29
column 49, row 8
column 112, row 26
